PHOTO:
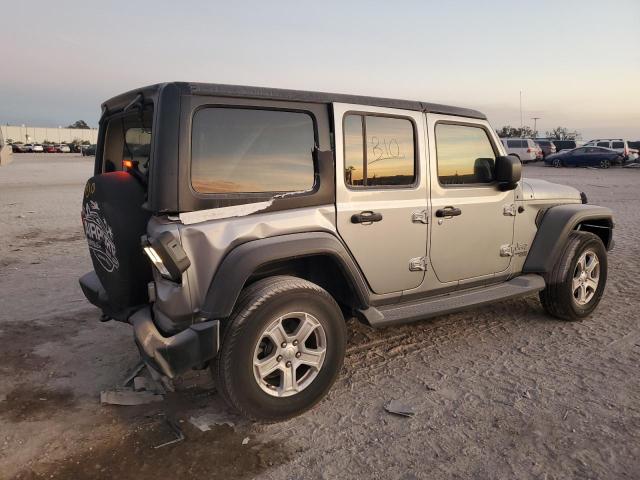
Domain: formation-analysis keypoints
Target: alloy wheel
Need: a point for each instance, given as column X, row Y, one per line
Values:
column 585, row 277
column 289, row 354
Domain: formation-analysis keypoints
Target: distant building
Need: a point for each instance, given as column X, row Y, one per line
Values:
column 28, row 134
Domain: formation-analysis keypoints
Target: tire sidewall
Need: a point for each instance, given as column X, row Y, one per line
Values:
column 237, row 357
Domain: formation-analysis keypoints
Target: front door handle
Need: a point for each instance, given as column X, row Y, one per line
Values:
column 366, row 217
column 448, row 212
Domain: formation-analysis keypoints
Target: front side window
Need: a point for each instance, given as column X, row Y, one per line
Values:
column 251, row 151
column 379, row 151
column 603, row 144
column 513, row 143
column 465, row 155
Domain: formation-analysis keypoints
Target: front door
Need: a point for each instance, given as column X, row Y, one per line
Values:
column 472, row 220
column 381, row 193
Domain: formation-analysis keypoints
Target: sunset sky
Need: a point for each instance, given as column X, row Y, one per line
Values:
column 577, row 63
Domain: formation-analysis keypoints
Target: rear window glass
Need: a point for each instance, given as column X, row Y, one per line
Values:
column 128, row 139
column 252, row 150
column 379, row 151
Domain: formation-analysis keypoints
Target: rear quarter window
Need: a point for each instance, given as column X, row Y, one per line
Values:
column 248, row 150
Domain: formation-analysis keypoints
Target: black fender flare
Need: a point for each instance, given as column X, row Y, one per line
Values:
column 238, row 265
column 554, row 228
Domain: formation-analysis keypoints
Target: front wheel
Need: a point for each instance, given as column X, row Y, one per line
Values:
column 605, row 164
column 282, row 349
column 576, row 283
column 557, row 162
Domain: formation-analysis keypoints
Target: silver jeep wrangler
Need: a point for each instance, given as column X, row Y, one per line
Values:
column 236, row 228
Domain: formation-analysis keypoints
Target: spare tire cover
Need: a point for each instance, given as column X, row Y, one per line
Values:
column 113, row 221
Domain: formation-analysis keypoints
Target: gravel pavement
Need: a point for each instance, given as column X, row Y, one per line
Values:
column 499, row 392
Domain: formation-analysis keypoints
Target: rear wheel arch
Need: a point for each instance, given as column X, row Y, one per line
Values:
column 318, row 257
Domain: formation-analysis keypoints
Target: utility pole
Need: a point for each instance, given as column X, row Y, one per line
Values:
column 535, row 125
column 521, row 125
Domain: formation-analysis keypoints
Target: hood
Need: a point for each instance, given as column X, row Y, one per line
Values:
column 536, row 189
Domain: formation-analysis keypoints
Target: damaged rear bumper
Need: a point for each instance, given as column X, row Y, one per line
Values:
column 171, row 356
column 176, row 354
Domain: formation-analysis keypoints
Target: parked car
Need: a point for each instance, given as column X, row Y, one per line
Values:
column 63, row 148
column 564, row 145
column 37, row 148
column 89, row 150
column 286, row 219
column 18, row 148
column 50, row 148
column 547, row 146
column 618, row 144
column 524, row 148
column 28, row 147
column 585, row 157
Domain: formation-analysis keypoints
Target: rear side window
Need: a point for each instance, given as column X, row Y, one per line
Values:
column 465, row 155
column 252, row 150
column 379, row 151
column 617, row 145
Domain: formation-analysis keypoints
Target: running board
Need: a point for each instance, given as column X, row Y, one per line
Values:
column 453, row 302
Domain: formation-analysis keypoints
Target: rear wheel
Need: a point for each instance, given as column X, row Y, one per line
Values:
column 282, row 349
column 557, row 162
column 576, row 283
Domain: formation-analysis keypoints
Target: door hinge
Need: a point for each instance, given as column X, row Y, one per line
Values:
column 506, row 250
column 418, row 264
column 509, row 210
column 420, row 216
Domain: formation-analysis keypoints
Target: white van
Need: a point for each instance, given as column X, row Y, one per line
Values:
column 618, row 144
column 524, row 148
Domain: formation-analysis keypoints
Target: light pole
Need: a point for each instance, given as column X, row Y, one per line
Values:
column 521, row 125
column 535, row 125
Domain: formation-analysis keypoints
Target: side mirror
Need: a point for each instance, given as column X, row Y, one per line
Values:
column 508, row 172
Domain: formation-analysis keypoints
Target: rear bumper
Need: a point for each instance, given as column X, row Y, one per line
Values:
column 172, row 355
column 175, row 355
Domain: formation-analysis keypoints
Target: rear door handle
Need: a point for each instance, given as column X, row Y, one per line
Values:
column 366, row 217
column 448, row 212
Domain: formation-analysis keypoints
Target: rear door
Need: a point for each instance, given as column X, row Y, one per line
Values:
column 472, row 220
column 381, row 193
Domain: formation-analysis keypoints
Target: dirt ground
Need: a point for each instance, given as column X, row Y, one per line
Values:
column 500, row 392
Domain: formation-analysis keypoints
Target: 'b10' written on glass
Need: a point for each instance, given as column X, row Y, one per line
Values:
column 383, row 149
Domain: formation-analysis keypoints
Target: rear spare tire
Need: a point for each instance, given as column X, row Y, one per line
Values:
column 113, row 221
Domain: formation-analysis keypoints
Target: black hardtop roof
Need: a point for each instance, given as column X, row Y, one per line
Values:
column 265, row 93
